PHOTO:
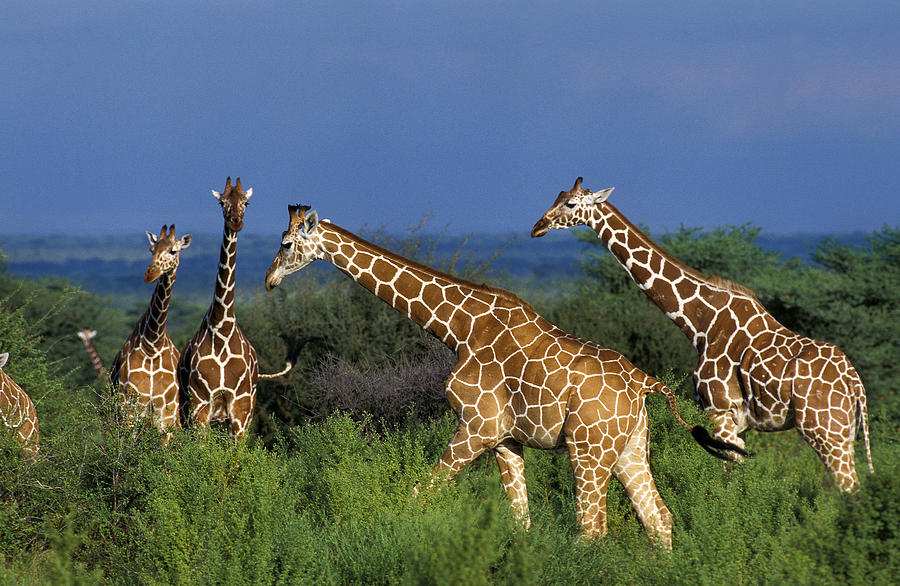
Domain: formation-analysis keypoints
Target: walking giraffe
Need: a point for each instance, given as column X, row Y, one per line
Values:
column 753, row 372
column 18, row 412
column 519, row 380
column 219, row 370
column 143, row 371
column 96, row 362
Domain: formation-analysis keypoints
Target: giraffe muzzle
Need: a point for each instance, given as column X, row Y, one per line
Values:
column 151, row 274
column 540, row 228
column 273, row 278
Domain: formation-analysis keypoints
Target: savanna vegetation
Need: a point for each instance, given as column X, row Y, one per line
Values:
column 321, row 491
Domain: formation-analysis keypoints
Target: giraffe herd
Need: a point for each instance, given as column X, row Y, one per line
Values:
column 519, row 380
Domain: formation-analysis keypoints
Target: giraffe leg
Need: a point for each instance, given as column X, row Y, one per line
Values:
column 830, row 433
column 201, row 414
column 723, row 402
column 632, row 469
column 166, row 420
column 240, row 415
column 168, row 415
column 512, row 472
column 592, row 474
column 725, row 428
column 464, row 447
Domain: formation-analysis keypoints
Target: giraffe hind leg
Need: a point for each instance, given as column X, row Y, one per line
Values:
column 592, row 474
column 632, row 469
column 836, row 451
column 826, row 419
column 512, row 472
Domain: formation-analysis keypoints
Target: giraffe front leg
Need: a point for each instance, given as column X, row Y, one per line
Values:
column 721, row 397
column 512, row 472
column 200, row 413
column 725, row 428
column 464, row 446
column 240, row 415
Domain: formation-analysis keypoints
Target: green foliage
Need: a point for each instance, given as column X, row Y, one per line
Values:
column 332, row 503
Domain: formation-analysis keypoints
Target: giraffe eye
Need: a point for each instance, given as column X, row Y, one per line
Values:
column 286, row 245
column 570, row 205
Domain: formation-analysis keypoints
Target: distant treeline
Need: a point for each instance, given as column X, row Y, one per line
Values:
column 114, row 265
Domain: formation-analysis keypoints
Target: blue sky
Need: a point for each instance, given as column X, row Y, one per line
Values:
column 121, row 116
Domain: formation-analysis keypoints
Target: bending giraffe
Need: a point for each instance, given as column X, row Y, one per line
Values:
column 143, row 371
column 219, row 369
column 519, row 380
column 753, row 372
column 96, row 362
column 18, row 412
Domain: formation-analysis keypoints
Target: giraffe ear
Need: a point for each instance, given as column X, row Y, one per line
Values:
column 151, row 237
column 185, row 241
column 217, row 195
column 3, row 358
column 249, row 193
column 92, row 333
column 310, row 222
column 601, row 196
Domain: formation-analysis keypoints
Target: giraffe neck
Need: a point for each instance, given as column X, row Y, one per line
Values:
column 687, row 296
column 153, row 324
column 442, row 304
column 221, row 311
column 96, row 361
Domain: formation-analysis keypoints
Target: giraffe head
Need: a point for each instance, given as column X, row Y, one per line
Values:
column 571, row 208
column 86, row 335
column 166, row 249
column 234, row 203
column 300, row 245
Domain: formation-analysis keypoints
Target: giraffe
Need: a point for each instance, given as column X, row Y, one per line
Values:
column 753, row 372
column 219, row 370
column 18, row 412
column 143, row 371
column 96, row 362
column 519, row 380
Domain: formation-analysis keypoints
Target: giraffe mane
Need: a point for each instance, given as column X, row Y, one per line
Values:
column 497, row 292
column 713, row 281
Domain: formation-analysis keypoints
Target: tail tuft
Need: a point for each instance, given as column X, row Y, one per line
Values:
column 714, row 446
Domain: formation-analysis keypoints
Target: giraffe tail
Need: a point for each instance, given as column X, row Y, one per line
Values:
column 863, row 416
column 294, row 348
column 287, row 366
column 715, row 447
